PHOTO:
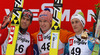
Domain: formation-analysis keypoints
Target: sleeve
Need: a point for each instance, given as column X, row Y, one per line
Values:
column 66, row 50
column 91, row 29
column 99, row 49
column 36, row 51
column 3, row 35
column 34, row 37
column 29, row 50
column 90, row 45
column 65, row 35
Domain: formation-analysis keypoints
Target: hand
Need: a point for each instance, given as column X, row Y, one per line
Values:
column 6, row 20
column 84, row 35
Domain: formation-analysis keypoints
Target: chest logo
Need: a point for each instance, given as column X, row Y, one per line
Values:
column 70, row 42
column 40, row 37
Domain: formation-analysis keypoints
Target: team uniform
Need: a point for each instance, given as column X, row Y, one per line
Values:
column 43, row 41
column 79, row 47
column 24, row 44
column 2, row 39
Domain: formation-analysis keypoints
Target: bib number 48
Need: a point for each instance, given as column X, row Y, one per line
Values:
column 44, row 46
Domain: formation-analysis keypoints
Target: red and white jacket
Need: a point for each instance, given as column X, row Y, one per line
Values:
column 24, row 44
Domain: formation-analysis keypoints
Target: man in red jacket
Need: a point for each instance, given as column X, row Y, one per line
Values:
column 24, row 45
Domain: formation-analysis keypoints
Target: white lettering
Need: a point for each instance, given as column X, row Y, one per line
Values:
column 35, row 14
column 7, row 11
column 66, row 14
column 78, row 10
column 89, row 16
column 11, row 39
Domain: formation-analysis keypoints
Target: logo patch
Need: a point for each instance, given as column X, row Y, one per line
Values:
column 70, row 42
column 40, row 37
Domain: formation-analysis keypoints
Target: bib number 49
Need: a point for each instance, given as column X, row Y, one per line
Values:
column 76, row 51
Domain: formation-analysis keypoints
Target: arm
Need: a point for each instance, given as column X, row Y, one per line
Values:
column 3, row 35
column 90, row 45
column 3, row 29
column 66, row 50
column 65, row 35
column 34, row 37
column 6, row 20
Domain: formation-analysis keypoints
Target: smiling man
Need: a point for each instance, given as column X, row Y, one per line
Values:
column 42, row 37
column 24, row 45
column 76, row 44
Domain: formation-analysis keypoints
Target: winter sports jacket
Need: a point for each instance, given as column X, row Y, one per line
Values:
column 79, row 47
column 43, row 41
column 24, row 44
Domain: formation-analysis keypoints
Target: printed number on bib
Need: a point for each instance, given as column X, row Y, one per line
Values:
column 20, row 48
column 44, row 46
column 76, row 51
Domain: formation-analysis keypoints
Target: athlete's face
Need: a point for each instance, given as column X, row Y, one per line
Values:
column 25, row 22
column 76, row 24
column 44, row 25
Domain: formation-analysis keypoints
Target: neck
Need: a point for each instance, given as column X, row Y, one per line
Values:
column 23, row 31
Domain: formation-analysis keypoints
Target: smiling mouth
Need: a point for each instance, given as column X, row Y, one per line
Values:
column 43, row 26
column 24, row 24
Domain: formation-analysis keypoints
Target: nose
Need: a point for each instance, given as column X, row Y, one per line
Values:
column 74, row 24
column 24, row 20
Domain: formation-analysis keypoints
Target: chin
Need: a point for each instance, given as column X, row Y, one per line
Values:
column 24, row 28
column 43, row 29
column 75, row 31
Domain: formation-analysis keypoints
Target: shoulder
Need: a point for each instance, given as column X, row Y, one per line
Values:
column 65, row 35
column 4, row 32
column 34, row 34
column 63, row 30
column 66, row 32
column 72, row 37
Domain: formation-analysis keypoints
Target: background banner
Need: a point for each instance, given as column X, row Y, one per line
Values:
column 69, row 8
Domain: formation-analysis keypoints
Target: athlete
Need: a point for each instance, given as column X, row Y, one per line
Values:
column 42, row 37
column 76, row 44
column 24, row 44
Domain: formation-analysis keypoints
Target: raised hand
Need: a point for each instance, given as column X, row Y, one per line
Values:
column 6, row 20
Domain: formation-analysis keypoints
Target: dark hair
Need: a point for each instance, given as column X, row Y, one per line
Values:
column 29, row 13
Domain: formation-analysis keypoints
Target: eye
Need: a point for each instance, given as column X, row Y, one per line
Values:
column 28, row 19
column 76, row 21
column 40, row 21
column 23, row 18
column 72, row 22
column 45, row 20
